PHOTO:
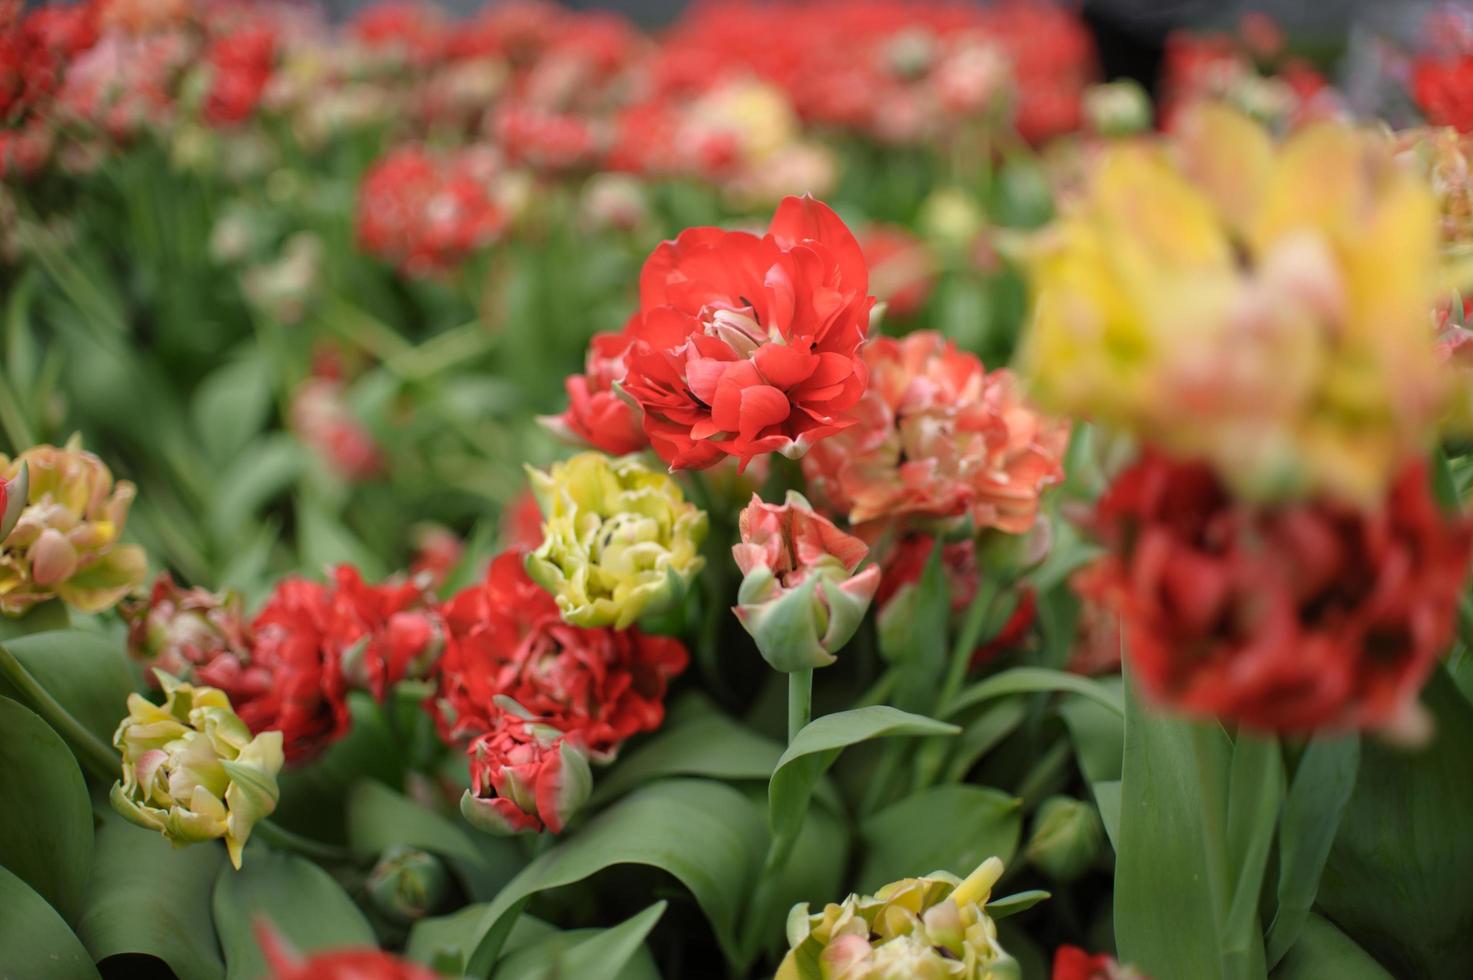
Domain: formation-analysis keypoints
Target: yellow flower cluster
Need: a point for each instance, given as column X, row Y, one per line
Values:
column 1261, row 306
column 619, row 539
column 931, row 928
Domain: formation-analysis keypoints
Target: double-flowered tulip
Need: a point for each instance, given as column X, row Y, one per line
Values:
column 619, row 539
column 800, row 596
column 930, row 928
column 525, row 776
column 192, row 770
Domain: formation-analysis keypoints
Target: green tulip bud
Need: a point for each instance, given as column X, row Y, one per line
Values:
column 1067, row 838
column 407, row 884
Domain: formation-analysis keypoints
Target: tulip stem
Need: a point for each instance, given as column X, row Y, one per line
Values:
column 800, row 701
column 288, row 840
column 91, row 751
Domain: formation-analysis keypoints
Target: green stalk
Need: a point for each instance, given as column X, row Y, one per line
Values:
column 800, row 701
column 287, row 840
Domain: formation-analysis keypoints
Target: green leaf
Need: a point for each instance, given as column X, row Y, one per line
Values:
column 325, row 541
column 912, row 636
column 1323, row 951
column 231, row 406
column 379, row 817
column 816, row 747
column 711, row 745
column 145, row 896
column 34, row 941
column 291, row 895
column 1032, row 680
column 1098, row 734
column 594, row 954
column 1108, row 800
column 1169, row 868
column 1321, row 788
column 1013, row 904
column 88, row 673
column 448, row 935
column 46, row 822
column 982, row 734
column 1400, row 874
column 1255, row 789
column 261, row 472
column 945, row 828
column 703, row 833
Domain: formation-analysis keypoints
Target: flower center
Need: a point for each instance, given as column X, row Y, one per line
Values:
column 739, row 329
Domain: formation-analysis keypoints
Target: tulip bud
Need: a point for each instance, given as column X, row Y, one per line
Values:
column 951, row 217
column 1067, row 838
column 619, row 540
column 407, row 884
column 192, row 770
column 1119, row 108
column 931, row 928
column 525, row 777
column 800, row 598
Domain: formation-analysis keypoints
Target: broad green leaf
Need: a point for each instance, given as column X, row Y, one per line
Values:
column 945, row 828
column 449, row 935
column 816, row 747
column 325, row 541
column 1323, row 952
column 88, row 673
column 703, row 833
column 982, row 734
column 1255, row 790
column 1170, row 864
column 46, row 819
column 588, row 954
column 912, row 636
column 262, row 472
column 289, row 894
column 379, row 817
column 1400, row 875
column 1321, row 788
column 1033, row 680
column 43, row 618
column 145, row 896
column 34, row 941
column 1107, row 799
column 231, row 406
column 1098, row 733
column 710, row 745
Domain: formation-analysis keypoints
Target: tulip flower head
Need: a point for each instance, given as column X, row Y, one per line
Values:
column 191, row 768
column 800, row 598
column 525, row 776
column 63, row 542
column 1261, row 307
column 745, row 345
column 930, row 928
column 619, row 540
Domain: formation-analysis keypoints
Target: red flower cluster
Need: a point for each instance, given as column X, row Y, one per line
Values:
column 289, row 669
column 240, row 66
column 745, row 345
column 426, row 213
column 1443, row 89
column 1250, row 68
column 505, row 638
column 938, row 437
column 891, row 70
column 1299, row 617
column 36, row 48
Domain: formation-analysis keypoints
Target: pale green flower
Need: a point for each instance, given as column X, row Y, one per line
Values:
column 192, row 770
column 619, row 539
